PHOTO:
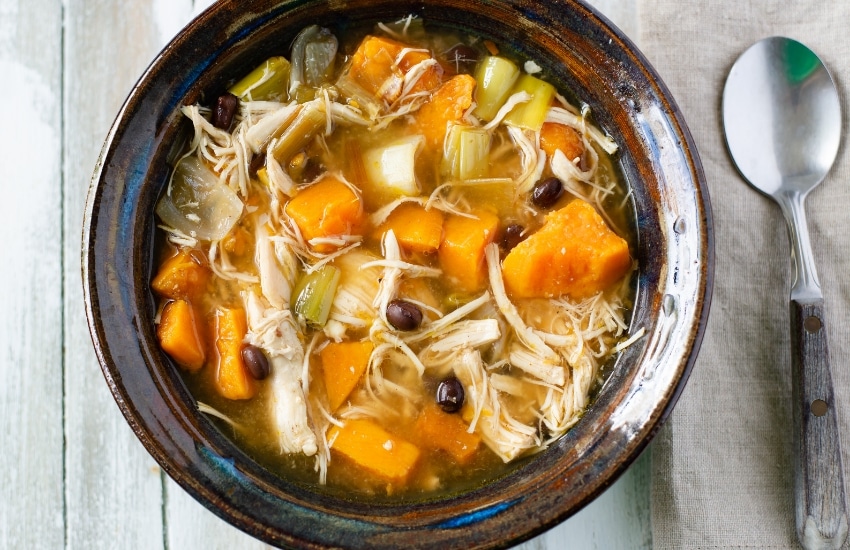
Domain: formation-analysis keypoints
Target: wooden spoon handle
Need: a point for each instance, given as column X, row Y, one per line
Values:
column 818, row 476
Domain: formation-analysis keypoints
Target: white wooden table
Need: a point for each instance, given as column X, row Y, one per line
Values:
column 72, row 474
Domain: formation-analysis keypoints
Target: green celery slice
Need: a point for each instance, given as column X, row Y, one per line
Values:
column 531, row 115
column 494, row 77
column 310, row 120
column 467, row 153
column 314, row 294
column 269, row 82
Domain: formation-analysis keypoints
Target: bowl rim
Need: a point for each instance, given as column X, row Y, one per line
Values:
column 99, row 276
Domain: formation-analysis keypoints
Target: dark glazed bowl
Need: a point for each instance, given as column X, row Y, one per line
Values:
column 583, row 53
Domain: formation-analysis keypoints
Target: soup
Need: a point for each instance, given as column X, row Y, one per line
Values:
column 394, row 262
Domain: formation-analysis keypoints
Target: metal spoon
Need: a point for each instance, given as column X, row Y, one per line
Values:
column 783, row 125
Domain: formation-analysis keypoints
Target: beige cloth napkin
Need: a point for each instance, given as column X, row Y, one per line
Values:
column 721, row 468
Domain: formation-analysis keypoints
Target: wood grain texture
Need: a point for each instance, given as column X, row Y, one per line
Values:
column 821, row 513
column 193, row 527
column 31, row 276
column 113, row 488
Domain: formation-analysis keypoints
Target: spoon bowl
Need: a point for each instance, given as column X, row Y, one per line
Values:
column 782, row 120
column 782, row 117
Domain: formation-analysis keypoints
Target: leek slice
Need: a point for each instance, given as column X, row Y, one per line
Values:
column 531, row 115
column 358, row 97
column 467, row 153
column 303, row 129
column 392, row 167
column 198, row 203
column 314, row 294
column 267, row 82
column 495, row 77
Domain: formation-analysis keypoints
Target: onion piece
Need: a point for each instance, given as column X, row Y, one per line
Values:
column 198, row 204
column 313, row 53
column 392, row 166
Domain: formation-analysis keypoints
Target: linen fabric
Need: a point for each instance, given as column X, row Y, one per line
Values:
column 722, row 469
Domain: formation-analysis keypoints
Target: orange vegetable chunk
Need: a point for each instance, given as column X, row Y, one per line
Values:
column 461, row 253
column 438, row 429
column 233, row 379
column 373, row 66
column 343, row 365
column 575, row 253
column 179, row 335
column 559, row 137
column 328, row 208
column 416, row 229
column 374, row 449
column 181, row 276
column 446, row 106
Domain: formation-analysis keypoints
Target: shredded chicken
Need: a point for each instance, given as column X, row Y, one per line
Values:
column 527, row 366
column 275, row 332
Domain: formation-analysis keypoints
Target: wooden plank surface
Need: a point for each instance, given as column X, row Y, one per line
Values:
column 113, row 487
column 88, row 482
column 31, row 275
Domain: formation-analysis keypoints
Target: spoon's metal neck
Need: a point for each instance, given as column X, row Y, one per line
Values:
column 805, row 286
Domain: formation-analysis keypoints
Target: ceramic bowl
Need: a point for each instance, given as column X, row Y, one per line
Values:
column 583, row 53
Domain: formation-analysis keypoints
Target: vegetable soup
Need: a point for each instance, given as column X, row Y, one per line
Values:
column 394, row 262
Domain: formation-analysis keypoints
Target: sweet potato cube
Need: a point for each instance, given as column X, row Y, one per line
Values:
column 373, row 67
column 179, row 335
column 374, row 449
column 461, row 252
column 430, row 79
column 343, row 365
column 233, row 379
column 575, row 254
column 446, row 106
column 376, row 68
column 559, row 137
column 181, row 276
column 329, row 208
column 441, row 430
column 416, row 229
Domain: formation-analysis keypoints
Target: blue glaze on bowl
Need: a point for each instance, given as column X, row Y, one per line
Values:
column 476, row 516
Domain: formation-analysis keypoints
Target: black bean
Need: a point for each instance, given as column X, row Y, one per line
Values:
column 403, row 315
column 547, row 192
column 255, row 361
column 257, row 161
column 512, row 236
column 461, row 54
column 312, row 170
column 450, row 395
column 224, row 111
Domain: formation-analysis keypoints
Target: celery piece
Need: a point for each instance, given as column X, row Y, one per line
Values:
column 297, row 136
column 532, row 114
column 494, row 77
column 358, row 97
column 314, row 294
column 392, row 167
column 268, row 82
column 467, row 153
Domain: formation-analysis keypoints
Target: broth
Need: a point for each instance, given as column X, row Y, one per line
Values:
column 381, row 279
